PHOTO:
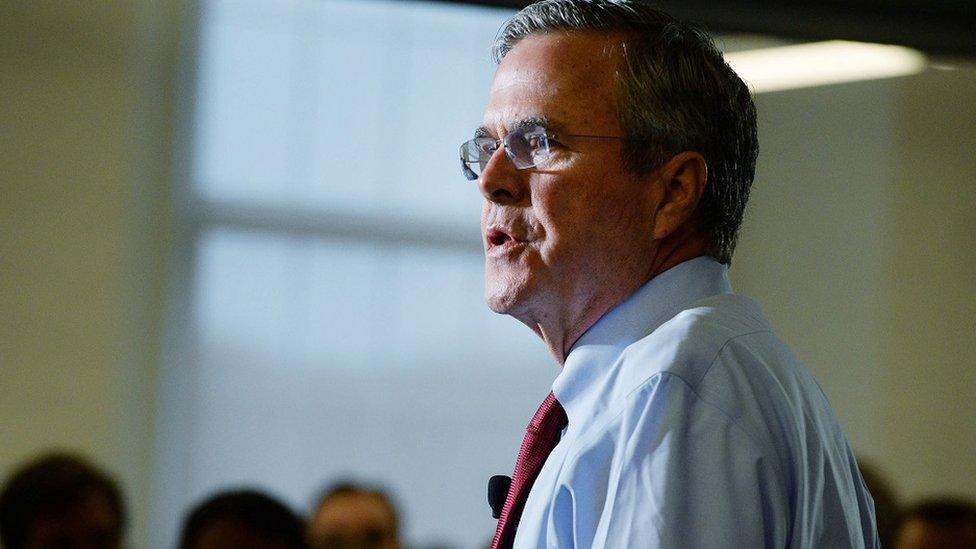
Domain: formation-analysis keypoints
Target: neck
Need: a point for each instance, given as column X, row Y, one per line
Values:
column 561, row 329
column 560, row 336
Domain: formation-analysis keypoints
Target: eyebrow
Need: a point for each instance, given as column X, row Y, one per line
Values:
column 483, row 131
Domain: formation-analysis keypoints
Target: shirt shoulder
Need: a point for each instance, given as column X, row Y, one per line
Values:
column 709, row 391
column 700, row 349
column 687, row 345
column 725, row 351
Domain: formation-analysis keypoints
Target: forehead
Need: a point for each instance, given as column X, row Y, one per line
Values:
column 359, row 506
column 568, row 78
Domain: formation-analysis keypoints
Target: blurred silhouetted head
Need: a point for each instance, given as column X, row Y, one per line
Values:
column 887, row 510
column 242, row 518
column 350, row 516
column 61, row 501
column 943, row 523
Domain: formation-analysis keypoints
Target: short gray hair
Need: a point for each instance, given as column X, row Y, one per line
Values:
column 675, row 92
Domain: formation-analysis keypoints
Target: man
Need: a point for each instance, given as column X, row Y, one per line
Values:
column 350, row 516
column 61, row 501
column 610, row 217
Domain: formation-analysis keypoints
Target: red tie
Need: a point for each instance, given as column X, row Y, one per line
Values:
column 541, row 437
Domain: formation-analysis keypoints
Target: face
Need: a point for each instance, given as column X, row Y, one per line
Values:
column 353, row 520
column 92, row 523
column 558, row 235
column 228, row 533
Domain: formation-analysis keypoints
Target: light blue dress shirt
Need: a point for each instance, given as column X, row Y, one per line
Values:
column 692, row 426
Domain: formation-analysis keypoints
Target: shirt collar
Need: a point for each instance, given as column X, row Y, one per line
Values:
column 579, row 386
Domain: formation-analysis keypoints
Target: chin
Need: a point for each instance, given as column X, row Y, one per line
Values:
column 504, row 295
column 500, row 302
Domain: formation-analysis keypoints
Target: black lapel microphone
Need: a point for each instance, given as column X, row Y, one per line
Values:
column 498, row 486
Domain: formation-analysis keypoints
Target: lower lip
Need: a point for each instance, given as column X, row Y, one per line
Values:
column 507, row 247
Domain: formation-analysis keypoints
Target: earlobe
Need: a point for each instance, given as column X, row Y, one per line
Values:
column 683, row 180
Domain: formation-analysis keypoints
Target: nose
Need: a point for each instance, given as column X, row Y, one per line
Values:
column 500, row 182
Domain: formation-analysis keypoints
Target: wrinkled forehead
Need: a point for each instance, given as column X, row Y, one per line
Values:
column 566, row 78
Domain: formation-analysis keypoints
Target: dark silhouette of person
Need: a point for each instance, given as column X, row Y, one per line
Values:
column 352, row 516
column 939, row 523
column 887, row 508
column 242, row 518
column 59, row 500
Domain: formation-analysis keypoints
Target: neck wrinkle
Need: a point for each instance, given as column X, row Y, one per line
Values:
column 679, row 247
column 595, row 311
column 556, row 346
column 561, row 340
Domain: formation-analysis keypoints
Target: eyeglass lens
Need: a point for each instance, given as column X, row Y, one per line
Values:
column 525, row 147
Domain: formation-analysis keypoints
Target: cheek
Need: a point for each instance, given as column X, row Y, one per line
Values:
column 588, row 224
column 570, row 212
column 567, row 236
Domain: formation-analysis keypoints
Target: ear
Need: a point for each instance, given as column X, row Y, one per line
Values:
column 683, row 182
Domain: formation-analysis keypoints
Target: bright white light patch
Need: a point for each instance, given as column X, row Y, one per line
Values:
column 822, row 63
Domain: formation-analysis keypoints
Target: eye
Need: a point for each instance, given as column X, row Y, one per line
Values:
column 536, row 139
column 486, row 146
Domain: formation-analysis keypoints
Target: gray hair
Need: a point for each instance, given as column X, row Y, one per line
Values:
column 675, row 92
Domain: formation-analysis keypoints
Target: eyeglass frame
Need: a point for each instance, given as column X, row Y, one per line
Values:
column 521, row 129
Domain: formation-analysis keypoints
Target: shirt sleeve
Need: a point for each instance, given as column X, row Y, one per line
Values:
column 682, row 475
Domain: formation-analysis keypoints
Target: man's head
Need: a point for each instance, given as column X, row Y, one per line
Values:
column 666, row 180
column 242, row 518
column 61, row 501
column 673, row 92
column 945, row 523
column 349, row 516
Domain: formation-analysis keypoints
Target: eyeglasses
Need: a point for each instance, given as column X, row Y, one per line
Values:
column 526, row 147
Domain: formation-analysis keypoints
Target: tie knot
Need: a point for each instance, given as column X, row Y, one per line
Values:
column 550, row 418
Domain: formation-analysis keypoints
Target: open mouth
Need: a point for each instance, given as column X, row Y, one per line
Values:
column 498, row 238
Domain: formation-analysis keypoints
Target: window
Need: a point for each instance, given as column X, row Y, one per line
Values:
column 328, row 318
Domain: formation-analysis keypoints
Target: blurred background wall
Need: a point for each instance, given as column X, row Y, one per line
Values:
column 858, row 242
column 86, row 110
